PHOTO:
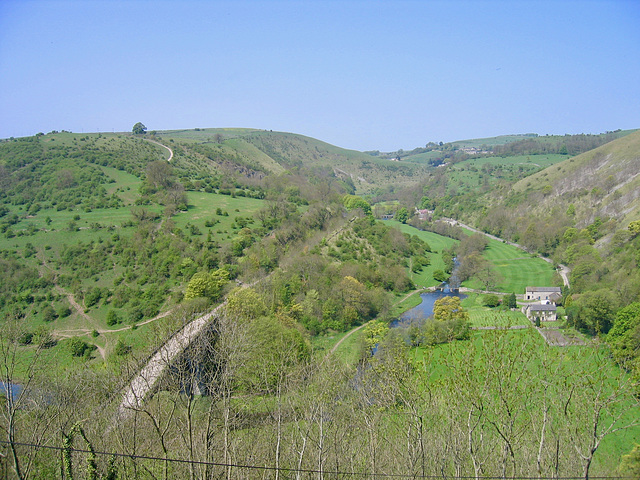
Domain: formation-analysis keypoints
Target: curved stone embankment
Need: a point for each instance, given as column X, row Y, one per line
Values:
column 145, row 381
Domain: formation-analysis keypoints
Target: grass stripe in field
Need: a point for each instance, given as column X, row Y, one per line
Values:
column 517, row 268
column 486, row 317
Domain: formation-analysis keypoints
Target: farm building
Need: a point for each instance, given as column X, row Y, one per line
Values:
column 544, row 311
column 543, row 293
column 424, row 214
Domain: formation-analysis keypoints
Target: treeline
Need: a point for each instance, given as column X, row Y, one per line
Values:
column 563, row 145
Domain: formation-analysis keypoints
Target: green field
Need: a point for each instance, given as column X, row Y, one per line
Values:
column 437, row 244
column 486, row 317
column 539, row 361
column 203, row 207
column 516, row 269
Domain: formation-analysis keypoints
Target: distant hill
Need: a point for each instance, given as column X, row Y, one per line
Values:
column 275, row 152
column 530, row 144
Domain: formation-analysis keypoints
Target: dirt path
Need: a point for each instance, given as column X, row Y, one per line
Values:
column 335, row 347
column 163, row 146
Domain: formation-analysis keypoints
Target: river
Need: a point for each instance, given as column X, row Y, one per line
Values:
column 14, row 388
column 423, row 311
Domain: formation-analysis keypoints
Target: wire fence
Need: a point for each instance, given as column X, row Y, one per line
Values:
column 286, row 470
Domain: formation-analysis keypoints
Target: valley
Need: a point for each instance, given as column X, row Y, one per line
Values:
column 217, row 303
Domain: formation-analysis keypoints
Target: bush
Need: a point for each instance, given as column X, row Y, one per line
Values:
column 491, row 300
column 80, row 348
column 26, row 338
column 49, row 314
column 440, row 276
column 113, row 318
column 64, row 311
column 122, row 348
column 438, row 331
column 93, row 297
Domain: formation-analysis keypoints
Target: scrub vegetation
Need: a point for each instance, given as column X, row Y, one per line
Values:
column 113, row 245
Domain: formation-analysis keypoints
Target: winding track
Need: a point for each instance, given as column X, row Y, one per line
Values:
column 163, row 146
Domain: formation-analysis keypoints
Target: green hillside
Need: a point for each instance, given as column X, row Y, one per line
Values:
column 252, row 247
column 603, row 182
column 276, row 152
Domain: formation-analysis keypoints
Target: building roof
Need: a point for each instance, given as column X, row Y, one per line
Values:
column 542, row 307
column 543, row 289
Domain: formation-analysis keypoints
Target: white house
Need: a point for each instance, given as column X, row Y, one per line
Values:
column 545, row 312
column 543, row 293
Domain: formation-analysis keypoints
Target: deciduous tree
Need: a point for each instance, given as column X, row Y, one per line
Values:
column 139, row 129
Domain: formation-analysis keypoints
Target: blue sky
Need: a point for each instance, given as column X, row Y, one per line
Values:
column 358, row 74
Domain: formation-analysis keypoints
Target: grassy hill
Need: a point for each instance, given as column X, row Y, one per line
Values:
column 106, row 250
column 603, row 182
column 275, row 152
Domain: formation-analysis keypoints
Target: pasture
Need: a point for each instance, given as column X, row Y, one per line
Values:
column 515, row 268
column 437, row 244
column 494, row 355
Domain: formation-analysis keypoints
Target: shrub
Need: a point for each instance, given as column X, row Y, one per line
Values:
column 112, row 318
column 92, row 297
column 491, row 300
column 49, row 314
column 26, row 338
column 122, row 348
column 79, row 348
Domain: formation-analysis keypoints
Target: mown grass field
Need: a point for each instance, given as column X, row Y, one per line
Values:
column 515, row 268
column 487, row 317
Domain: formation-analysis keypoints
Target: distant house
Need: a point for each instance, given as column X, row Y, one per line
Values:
column 424, row 214
column 387, row 217
column 546, row 312
column 551, row 294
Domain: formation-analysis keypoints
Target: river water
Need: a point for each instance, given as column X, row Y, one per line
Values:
column 14, row 388
column 419, row 313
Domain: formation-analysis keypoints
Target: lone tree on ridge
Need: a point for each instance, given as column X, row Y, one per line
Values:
column 139, row 129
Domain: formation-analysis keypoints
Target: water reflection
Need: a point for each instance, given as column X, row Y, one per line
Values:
column 417, row 315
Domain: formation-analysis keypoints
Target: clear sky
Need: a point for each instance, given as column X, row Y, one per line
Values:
column 361, row 74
